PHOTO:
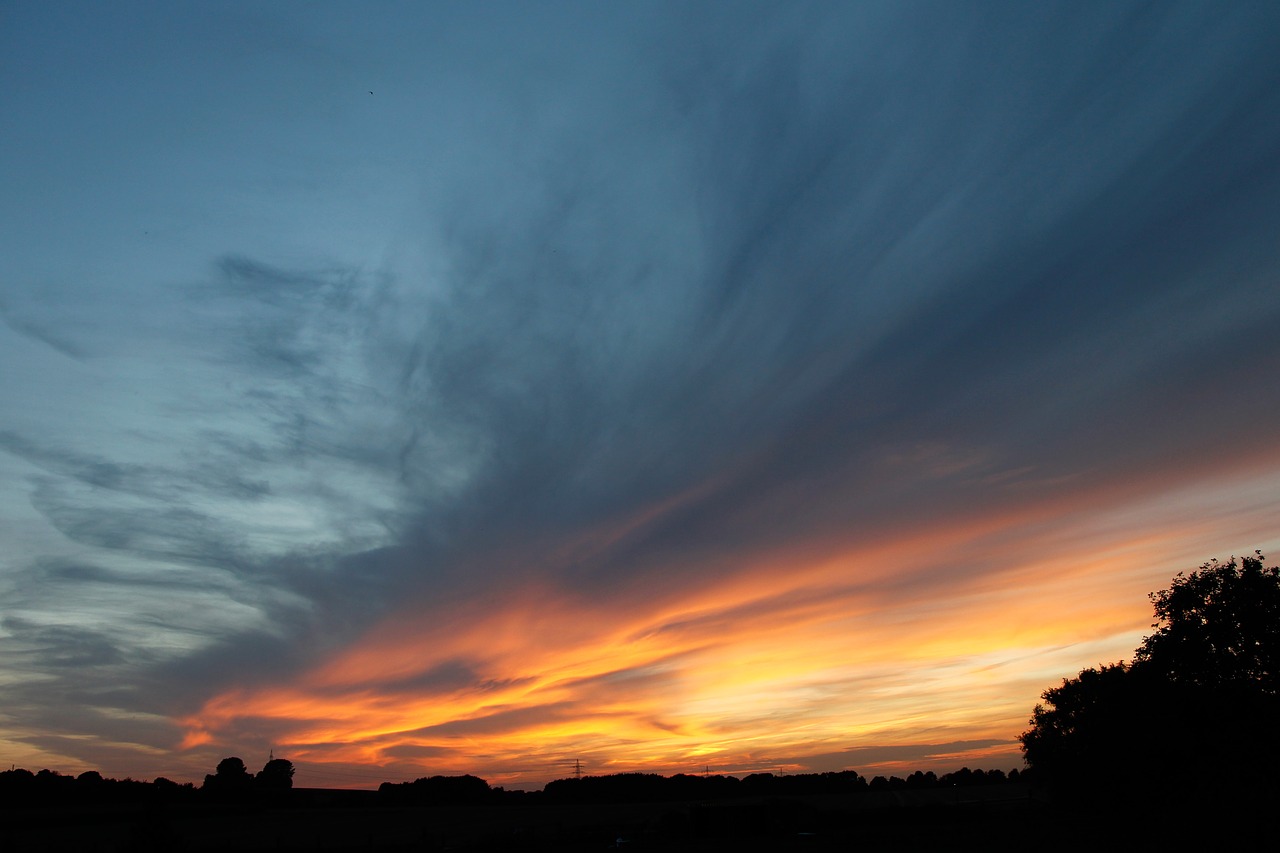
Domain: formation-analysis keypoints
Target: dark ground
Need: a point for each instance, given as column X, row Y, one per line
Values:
column 1004, row 818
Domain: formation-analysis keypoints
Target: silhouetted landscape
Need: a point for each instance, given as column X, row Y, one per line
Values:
column 967, row 809
column 665, row 425
column 1183, row 740
column 637, row 810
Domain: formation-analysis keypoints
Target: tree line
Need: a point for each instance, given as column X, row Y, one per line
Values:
column 654, row 788
column 232, row 783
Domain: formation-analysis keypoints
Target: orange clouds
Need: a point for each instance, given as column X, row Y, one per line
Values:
column 944, row 637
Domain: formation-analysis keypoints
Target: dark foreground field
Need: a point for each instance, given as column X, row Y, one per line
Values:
column 1004, row 819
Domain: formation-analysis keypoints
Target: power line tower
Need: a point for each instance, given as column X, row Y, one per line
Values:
column 576, row 764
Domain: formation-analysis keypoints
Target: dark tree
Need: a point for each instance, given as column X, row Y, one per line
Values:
column 1085, row 727
column 231, row 780
column 1196, row 710
column 437, row 790
column 231, row 769
column 276, row 775
column 1218, row 628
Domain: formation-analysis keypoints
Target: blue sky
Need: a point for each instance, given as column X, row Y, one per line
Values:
column 331, row 330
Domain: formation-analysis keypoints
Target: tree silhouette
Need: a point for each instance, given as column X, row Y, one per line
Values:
column 276, row 775
column 232, row 770
column 1087, row 730
column 231, row 780
column 1195, row 710
column 1218, row 628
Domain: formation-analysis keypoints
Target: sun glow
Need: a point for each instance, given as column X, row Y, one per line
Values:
column 793, row 660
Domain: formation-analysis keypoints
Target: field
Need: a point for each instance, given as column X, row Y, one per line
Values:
column 1006, row 818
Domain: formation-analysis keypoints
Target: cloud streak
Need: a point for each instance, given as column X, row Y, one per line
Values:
column 749, row 386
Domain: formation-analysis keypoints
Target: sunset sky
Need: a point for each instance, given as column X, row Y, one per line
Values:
column 417, row 388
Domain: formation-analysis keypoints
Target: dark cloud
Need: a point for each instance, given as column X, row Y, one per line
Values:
column 172, row 533
column 868, row 279
column 247, row 657
column 38, row 332
column 91, row 471
column 292, row 317
column 59, row 646
column 74, row 572
column 87, row 498
column 950, row 237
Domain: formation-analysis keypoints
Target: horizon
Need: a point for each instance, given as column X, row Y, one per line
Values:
column 439, row 388
column 705, row 773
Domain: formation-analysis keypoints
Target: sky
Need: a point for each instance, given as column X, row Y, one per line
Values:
column 441, row 388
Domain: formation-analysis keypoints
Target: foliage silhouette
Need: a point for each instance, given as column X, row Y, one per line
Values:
column 1086, row 728
column 19, row 787
column 437, row 790
column 231, row 781
column 1218, row 628
column 276, row 775
column 1196, row 709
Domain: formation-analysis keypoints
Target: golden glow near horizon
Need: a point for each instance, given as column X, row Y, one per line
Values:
column 787, row 662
